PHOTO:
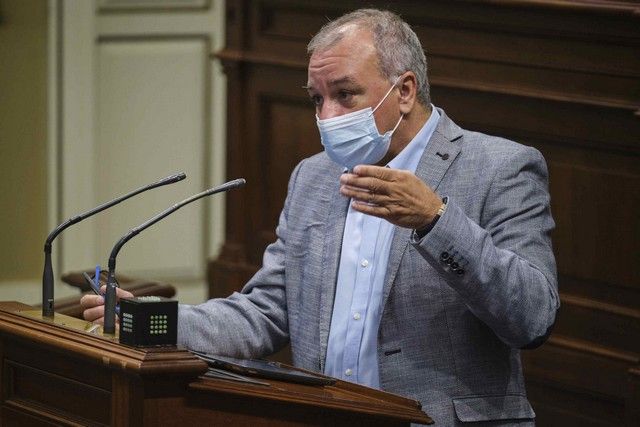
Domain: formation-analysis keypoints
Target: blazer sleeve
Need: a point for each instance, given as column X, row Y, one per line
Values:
column 251, row 323
column 504, row 268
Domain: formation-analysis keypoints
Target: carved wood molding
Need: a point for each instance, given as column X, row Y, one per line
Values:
column 592, row 348
column 101, row 350
column 599, row 6
column 332, row 397
column 593, row 304
column 534, row 94
column 242, row 56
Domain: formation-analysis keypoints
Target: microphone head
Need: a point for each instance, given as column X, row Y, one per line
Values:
column 174, row 178
column 230, row 185
column 238, row 182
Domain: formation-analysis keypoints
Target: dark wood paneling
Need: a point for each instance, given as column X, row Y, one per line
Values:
column 60, row 398
column 591, row 320
column 560, row 76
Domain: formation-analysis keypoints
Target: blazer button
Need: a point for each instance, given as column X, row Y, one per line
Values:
column 454, row 265
column 449, row 260
column 459, row 272
column 444, row 256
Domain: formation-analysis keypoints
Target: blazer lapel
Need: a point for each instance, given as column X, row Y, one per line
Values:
column 440, row 153
column 331, row 258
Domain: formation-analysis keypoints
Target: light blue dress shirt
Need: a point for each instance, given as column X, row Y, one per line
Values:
column 357, row 309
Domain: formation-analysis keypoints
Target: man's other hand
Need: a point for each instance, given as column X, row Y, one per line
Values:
column 398, row 196
column 93, row 305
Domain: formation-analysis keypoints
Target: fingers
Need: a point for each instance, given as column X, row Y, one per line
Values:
column 90, row 301
column 373, row 209
column 95, row 314
column 379, row 172
column 362, row 195
column 93, row 305
column 373, row 187
column 120, row 293
column 370, row 176
column 398, row 196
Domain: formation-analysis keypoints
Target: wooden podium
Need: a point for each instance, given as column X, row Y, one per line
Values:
column 56, row 372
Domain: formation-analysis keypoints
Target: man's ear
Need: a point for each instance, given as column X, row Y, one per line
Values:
column 408, row 86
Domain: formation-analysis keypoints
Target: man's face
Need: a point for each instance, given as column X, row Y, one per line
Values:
column 346, row 78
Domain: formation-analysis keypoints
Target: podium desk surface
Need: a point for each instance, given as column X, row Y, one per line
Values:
column 54, row 371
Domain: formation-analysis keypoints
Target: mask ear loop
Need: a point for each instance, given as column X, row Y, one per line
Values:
column 397, row 124
column 386, row 95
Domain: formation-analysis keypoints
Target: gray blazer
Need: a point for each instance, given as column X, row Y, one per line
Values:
column 458, row 304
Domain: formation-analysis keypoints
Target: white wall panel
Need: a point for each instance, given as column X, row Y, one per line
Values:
column 151, row 5
column 76, row 140
column 151, row 122
column 140, row 98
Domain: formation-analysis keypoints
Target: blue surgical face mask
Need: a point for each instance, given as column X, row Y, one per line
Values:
column 353, row 139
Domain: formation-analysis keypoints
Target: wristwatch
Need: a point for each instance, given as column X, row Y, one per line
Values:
column 423, row 231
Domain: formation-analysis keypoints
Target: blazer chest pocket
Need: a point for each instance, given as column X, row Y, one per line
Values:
column 491, row 408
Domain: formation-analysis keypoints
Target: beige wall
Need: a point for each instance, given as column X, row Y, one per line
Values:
column 62, row 63
column 23, row 138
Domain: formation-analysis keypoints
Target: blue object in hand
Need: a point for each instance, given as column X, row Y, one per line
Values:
column 95, row 285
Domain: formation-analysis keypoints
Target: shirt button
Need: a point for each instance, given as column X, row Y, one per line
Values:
column 364, row 263
column 348, row 372
column 356, row 316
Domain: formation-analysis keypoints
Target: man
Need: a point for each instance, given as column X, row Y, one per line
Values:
column 417, row 260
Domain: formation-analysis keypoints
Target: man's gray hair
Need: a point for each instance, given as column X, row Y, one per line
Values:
column 398, row 47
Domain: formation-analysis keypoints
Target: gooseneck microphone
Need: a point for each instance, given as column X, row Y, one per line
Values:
column 47, row 275
column 110, row 296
